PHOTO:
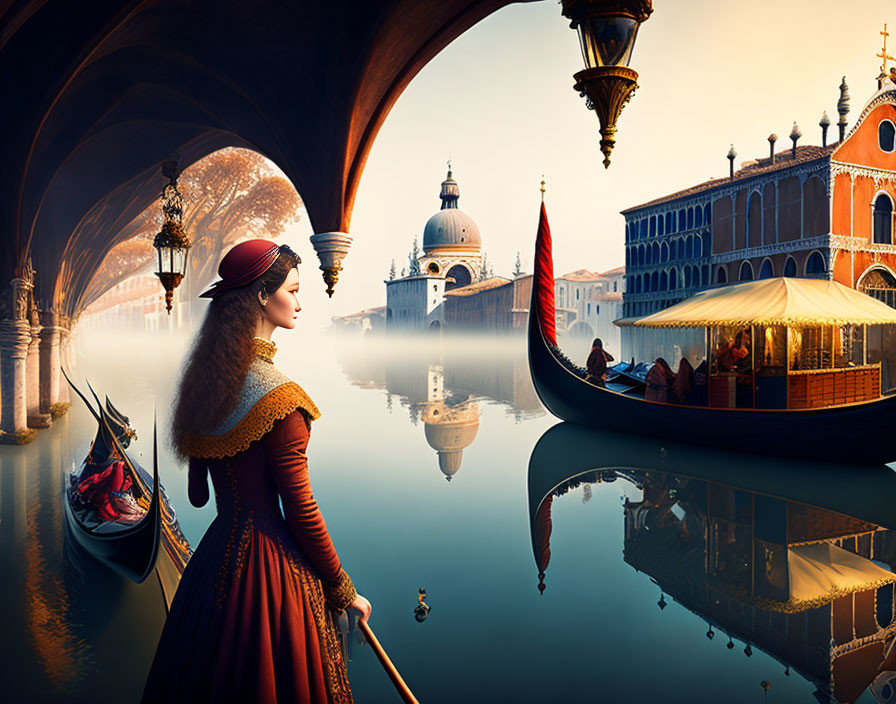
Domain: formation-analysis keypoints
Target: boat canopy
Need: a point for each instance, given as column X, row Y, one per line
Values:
column 782, row 301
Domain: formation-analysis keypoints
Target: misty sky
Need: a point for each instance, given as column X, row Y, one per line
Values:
column 499, row 101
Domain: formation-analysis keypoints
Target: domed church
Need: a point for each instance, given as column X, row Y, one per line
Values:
column 452, row 258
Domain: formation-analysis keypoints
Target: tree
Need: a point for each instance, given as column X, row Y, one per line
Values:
column 230, row 195
column 518, row 266
column 392, row 271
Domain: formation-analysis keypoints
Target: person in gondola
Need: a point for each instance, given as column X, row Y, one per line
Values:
column 683, row 386
column 659, row 379
column 254, row 617
column 597, row 363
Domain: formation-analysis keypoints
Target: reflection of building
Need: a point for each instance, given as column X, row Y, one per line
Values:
column 811, row 587
column 588, row 303
column 445, row 389
column 452, row 257
column 449, row 430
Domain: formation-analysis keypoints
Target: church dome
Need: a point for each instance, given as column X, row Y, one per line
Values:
column 450, row 228
column 449, row 430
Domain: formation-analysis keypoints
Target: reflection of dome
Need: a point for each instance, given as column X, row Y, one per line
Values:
column 448, row 431
column 450, row 228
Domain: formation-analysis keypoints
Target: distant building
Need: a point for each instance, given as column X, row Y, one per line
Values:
column 496, row 305
column 588, row 303
column 452, row 258
column 362, row 322
column 138, row 303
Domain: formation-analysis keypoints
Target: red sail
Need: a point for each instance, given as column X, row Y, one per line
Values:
column 544, row 279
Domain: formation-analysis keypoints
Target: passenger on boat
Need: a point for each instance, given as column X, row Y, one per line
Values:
column 683, row 386
column 659, row 379
column 724, row 356
column 108, row 493
column 597, row 363
column 701, row 389
column 743, row 365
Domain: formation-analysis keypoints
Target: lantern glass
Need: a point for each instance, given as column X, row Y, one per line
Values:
column 607, row 41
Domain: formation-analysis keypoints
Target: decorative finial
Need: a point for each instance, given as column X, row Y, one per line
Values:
column 772, row 138
column 795, row 134
column 824, row 123
column 542, row 188
column 731, row 156
column 884, row 57
column 843, row 107
column 449, row 167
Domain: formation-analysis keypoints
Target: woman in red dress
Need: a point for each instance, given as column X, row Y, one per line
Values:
column 253, row 619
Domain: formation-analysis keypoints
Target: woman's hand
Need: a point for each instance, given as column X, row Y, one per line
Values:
column 361, row 604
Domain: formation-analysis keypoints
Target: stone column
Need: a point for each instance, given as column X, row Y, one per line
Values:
column 66, row 359
column 49, row 363
column 36, row 419
column 15, row 336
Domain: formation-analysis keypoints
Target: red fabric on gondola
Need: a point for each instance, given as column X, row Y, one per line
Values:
column 542, row 547
column 97, row 487
column 544, row 279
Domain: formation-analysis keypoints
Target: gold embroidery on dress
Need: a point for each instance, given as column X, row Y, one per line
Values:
column 338, row 690
column 264, row 349
column 274, row 406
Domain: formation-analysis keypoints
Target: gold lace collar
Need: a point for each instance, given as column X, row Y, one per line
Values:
column 265, row 349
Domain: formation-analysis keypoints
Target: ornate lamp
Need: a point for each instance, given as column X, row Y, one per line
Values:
column 607, row 31
column 172, row 243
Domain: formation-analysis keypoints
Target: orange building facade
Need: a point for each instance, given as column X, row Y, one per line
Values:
column 810, row 211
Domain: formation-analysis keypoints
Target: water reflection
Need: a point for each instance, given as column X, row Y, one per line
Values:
column 443, row 385
column 795, row 560
column 72, row 628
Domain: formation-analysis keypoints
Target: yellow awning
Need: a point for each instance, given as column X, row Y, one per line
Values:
column 821, row 572
column 779, row 301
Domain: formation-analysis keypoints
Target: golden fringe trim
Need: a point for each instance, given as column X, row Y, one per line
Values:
column 341, row 594
column 794, row 606
column 273, row 406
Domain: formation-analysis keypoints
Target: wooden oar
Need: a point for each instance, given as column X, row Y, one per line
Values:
column 399, row 683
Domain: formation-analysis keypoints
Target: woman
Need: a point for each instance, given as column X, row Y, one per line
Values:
column 253, row 619
column 597, row 363
column 659, row 378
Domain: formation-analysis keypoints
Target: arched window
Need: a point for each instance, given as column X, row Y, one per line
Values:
column 664, row 253
column 690, row 218
column 815, row 264
column 698, row 247
column 767, row 271
column 886, row 136
column 654, row 282
column 698, row 216
column 673, row 280
column 689, row 248
column 643, row 228
column 721, row 275
column 660, row 222
column 754, row 220
column 706, row 214
column 790, row 267
column 653, row 225
column 664, row 281
column 746, row 271
column 883, row 219
column 682, row 219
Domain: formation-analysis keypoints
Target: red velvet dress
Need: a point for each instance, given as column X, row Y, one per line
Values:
column 253, row 617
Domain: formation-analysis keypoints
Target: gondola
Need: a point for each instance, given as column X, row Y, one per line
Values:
column 856, row 433
column 130, row 550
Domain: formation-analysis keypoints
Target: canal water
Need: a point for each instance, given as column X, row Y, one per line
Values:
column 560, row 564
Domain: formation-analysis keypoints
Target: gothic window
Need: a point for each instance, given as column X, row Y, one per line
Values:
column 746, row 271
column 886, row 136
column 815, row 264
column 883, row 219
column 721, row 275
column 767, row 271
column 790, row 267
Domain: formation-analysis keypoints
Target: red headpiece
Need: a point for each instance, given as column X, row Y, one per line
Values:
column 243, row 264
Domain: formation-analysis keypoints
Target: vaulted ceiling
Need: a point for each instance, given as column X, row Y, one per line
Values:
column 98, row 93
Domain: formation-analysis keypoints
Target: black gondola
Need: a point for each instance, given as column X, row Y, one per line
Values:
column 130, row 550
column 856, row 433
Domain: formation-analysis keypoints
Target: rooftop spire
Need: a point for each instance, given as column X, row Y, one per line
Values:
column 884, row 57
column 450, row 190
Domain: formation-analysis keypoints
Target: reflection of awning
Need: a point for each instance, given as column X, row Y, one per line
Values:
column 820, row 572
column 779, row 301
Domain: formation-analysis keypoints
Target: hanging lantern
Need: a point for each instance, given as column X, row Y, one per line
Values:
column 172, row 243
column 607, row 31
